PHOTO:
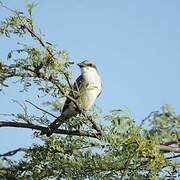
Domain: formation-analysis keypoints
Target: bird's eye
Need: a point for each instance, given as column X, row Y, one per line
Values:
column 90, row 65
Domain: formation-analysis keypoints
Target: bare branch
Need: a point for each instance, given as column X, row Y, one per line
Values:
column 13, row 152
column 146, row 118
column 167, row 149
column 45, row 129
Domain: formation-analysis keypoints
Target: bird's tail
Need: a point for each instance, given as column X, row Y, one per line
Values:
column 55, row 125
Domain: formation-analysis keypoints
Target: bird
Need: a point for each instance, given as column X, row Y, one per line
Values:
column 88, row 86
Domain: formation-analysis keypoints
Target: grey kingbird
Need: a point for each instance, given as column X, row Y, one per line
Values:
column 88, row 86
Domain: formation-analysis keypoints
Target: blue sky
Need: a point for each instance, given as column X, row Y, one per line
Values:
column 135, row 44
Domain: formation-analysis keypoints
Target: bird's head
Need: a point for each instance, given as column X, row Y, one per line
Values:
column 87, row 66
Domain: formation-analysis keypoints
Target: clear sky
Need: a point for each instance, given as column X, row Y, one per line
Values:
column 135, row 44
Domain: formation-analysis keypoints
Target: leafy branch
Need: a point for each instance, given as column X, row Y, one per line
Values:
column 120, row 149
column 29, row 68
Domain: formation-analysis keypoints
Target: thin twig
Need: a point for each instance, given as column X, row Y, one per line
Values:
column 146, row 118
column 41, row 109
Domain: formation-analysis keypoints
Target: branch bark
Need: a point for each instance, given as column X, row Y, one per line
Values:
column 44, row 129
column 167, row 149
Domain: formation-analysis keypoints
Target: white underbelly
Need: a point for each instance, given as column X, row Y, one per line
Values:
column 89, row 97
column 91, row 90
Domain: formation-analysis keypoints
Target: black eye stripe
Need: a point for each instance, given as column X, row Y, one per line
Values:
column 91, row 65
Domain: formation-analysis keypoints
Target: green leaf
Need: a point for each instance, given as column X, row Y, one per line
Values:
column 30, row 7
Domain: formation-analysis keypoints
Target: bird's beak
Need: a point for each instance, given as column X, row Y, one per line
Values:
column 80, row 65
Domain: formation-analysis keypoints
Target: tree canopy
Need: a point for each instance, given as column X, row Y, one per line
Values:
column 89, row 146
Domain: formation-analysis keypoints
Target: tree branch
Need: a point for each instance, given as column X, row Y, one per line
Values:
column 94, row 124
column 38, row 38
column 163, row 148
column 173, row 157
column 167, row 149
column 170, row 142
column 45, row 129
column 13, row 152
column 56, row 83
column 50, row 79
column 43, row 44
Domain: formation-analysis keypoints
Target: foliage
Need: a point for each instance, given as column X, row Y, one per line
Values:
column 118, row 148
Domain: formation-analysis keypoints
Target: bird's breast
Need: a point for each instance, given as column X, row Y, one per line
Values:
column 91, row 89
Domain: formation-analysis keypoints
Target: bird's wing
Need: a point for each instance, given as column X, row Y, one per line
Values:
column 60, row 120
column 77, row 85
